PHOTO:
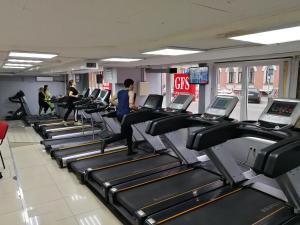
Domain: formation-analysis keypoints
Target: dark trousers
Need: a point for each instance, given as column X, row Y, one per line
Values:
column 71, row 107
column 43, row 106
column 126, row 132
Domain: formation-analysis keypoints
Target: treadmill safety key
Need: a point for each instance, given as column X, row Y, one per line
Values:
column 195, row 193
column 140, row 213
column 106, row 184
column 151, row 221
column 114, row 190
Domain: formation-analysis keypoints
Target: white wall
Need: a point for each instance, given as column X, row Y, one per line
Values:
column 10, row 85
column 154, row 80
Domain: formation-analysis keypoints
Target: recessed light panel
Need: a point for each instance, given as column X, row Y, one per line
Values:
column 13, row 67
column 24, row 61
column 18, row 65
column 272, row 37
column 32, row 55
column 172, row 52
column 120, row 60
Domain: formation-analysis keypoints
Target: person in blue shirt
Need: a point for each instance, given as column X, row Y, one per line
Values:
column 125, row 103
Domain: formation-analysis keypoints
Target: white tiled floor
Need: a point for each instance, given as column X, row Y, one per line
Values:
column 34, row 191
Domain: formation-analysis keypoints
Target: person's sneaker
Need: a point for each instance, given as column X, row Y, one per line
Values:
column 77, row 123
column 65, row 123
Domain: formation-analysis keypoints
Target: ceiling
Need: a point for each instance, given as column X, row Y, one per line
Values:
column 79, row 30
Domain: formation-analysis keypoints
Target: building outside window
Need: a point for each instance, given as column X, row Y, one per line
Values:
column 251, row 76
column 269, row 76
column 231, row 77
column 239, row 77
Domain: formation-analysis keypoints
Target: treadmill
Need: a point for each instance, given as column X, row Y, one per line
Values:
column 99, row 106
column 94, row 149
column 56, row 129
column 59, row 103
column 80, row 166
column 77, row 131
column 131, row 187
column 266, row 195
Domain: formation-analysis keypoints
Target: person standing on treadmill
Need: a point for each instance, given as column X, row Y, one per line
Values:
column 72, row 97
column 48, row 99
column 42, row 103
column 125, row 103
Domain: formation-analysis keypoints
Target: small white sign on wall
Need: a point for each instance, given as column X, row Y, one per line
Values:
column 44, row 79
column 143, row 88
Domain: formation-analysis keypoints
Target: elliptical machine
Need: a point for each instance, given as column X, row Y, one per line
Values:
column 20, row 113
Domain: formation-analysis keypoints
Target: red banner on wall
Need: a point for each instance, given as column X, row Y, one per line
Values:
column 182, row 85
column 107, row 86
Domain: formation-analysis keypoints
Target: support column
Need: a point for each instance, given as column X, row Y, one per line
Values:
column 244, row 94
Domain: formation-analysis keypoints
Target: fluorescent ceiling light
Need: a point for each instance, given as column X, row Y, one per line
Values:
column 19, row 65
column 172, row 52
column 13, row 67
column 32, row 55
column 24, row 61
column 120, row 60
column 272, row 37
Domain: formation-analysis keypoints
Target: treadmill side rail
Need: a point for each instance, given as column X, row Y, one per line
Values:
column 290, row 184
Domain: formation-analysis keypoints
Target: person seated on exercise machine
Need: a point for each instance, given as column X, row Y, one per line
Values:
column 72, row 97
column 125, row 103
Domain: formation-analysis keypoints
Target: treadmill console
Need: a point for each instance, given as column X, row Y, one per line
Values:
column 153, row 102
column 281, row 112
column 221, row 106
column 181, row 102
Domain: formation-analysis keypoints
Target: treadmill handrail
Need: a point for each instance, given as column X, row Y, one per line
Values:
column 283, row 160
column 263, row 155
column 231, row 132
column 175, row 122
column 142, row 115
column 213, row 135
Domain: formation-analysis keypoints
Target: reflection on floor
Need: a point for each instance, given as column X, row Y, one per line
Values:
column 34, row 191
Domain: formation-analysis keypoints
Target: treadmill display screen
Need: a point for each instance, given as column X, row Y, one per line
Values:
column 102, row 94
column 152, row 102
column 181, row 99
column 282, row 108
column 221, row 103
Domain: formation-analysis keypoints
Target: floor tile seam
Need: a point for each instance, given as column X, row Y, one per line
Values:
column 73, row 217
column 47, row 173
column 62, row 194
column 10, row 212
column 19, row 188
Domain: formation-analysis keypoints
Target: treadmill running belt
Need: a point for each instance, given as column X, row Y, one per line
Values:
column 113, row 173
column 137, row 198
column 65, row 132
column 76, row 150
column 81, row 165
column 246, row 207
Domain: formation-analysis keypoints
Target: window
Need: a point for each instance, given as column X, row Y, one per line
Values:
column 269, row 78
column 231, row 77
column 298, row 83
column 239, row 77
column 251, row 76
column 227, row 85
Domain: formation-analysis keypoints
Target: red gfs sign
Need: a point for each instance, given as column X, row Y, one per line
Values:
column 182, row 85
column 107, row 86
